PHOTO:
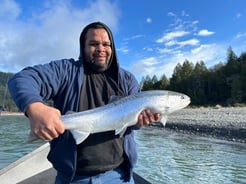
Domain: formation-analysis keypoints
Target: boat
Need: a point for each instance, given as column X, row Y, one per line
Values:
column 34, row 168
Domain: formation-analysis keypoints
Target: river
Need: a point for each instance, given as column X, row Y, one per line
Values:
column 164, row 156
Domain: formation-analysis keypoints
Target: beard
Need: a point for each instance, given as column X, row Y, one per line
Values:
column 96, row 65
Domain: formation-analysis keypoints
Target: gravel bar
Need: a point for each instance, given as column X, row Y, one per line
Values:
column 225, row 123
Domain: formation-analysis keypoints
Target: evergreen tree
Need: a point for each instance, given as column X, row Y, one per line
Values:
column 198, row 84
column 163, row 83
column 232, row 71
column 154, row 81
column 180, row 78
column 147, row 83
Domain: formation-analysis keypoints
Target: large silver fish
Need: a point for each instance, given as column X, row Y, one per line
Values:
column 123, row 113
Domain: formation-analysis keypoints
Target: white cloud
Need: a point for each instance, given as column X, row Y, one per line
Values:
column 189, row 42
column 148, row 20
column 171, row 14
column 208, row 53
column 123, row 49
column 184, row 14
column 240, row 35
column 238, row 15
column 134, row 37
column 205, row 32
column 9, row 9
column 52, row 33
column 171, row 35
column 145, row 66
column 182, row 43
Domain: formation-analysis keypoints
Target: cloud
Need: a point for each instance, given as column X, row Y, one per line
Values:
column 134, row 37
column 238, row 15
column 52, row 33
column 171, row 14
column 171, row 35
column 189, row 42
column 205, row 32
column 145, row 66
column 123, row 49
column 184, row 14
column 240, row 35
column 148, row 20
column 9, row 10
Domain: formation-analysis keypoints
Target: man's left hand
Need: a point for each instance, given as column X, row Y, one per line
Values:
column 146, row 117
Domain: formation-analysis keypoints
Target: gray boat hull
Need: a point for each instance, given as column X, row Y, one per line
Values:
column 35, row 168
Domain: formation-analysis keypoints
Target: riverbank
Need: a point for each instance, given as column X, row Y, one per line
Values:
column 6, row 113
column 225, row 123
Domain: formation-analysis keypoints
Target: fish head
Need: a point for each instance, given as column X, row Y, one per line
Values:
column 164, row 101
column 175, row 101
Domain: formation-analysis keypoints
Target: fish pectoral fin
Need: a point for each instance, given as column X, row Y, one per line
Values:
column 120, row 131
column 31, row 137
column 79, row 136
column 163, row 120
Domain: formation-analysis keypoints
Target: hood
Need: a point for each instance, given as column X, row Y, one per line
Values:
column 113, row 63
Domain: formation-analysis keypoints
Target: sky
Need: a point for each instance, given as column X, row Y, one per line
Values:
column 151, row 36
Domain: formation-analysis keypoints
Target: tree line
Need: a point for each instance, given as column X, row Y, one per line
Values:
column 6, row 102
column 224, row 83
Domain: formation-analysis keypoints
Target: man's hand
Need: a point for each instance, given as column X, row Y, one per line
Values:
column 146, row 117
column 45, row 121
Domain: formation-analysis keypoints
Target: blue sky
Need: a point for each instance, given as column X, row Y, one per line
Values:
column 151, row 36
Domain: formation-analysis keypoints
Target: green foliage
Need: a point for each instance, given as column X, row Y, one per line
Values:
column 223, row 84
column 6, row 101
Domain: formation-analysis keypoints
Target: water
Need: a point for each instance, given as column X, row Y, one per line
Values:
column 13, row 134
column 168, row 157
column 164, row 157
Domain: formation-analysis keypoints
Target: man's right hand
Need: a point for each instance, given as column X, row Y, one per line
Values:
column 45, row 121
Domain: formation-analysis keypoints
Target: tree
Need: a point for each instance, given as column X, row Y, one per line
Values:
column 232, row 71
column 233, row 65
column 180, row 77
column 242, row 60
column 163, row 82
column 146, row 83
column 198, row 84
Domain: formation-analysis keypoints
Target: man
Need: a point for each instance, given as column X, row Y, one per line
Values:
column 78, row 86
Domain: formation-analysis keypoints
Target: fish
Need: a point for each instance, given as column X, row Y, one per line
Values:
column 122, row 113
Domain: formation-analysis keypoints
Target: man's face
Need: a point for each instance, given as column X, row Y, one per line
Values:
column 97, row 49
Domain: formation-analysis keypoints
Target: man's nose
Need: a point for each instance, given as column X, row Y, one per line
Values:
column 100, row 47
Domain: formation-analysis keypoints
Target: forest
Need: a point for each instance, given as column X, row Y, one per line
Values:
column 223, row 84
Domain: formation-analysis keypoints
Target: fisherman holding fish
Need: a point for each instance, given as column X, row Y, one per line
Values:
column 80, row 85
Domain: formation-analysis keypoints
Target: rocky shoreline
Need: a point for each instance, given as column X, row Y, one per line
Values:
column 6, row 113
column 225, row 123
